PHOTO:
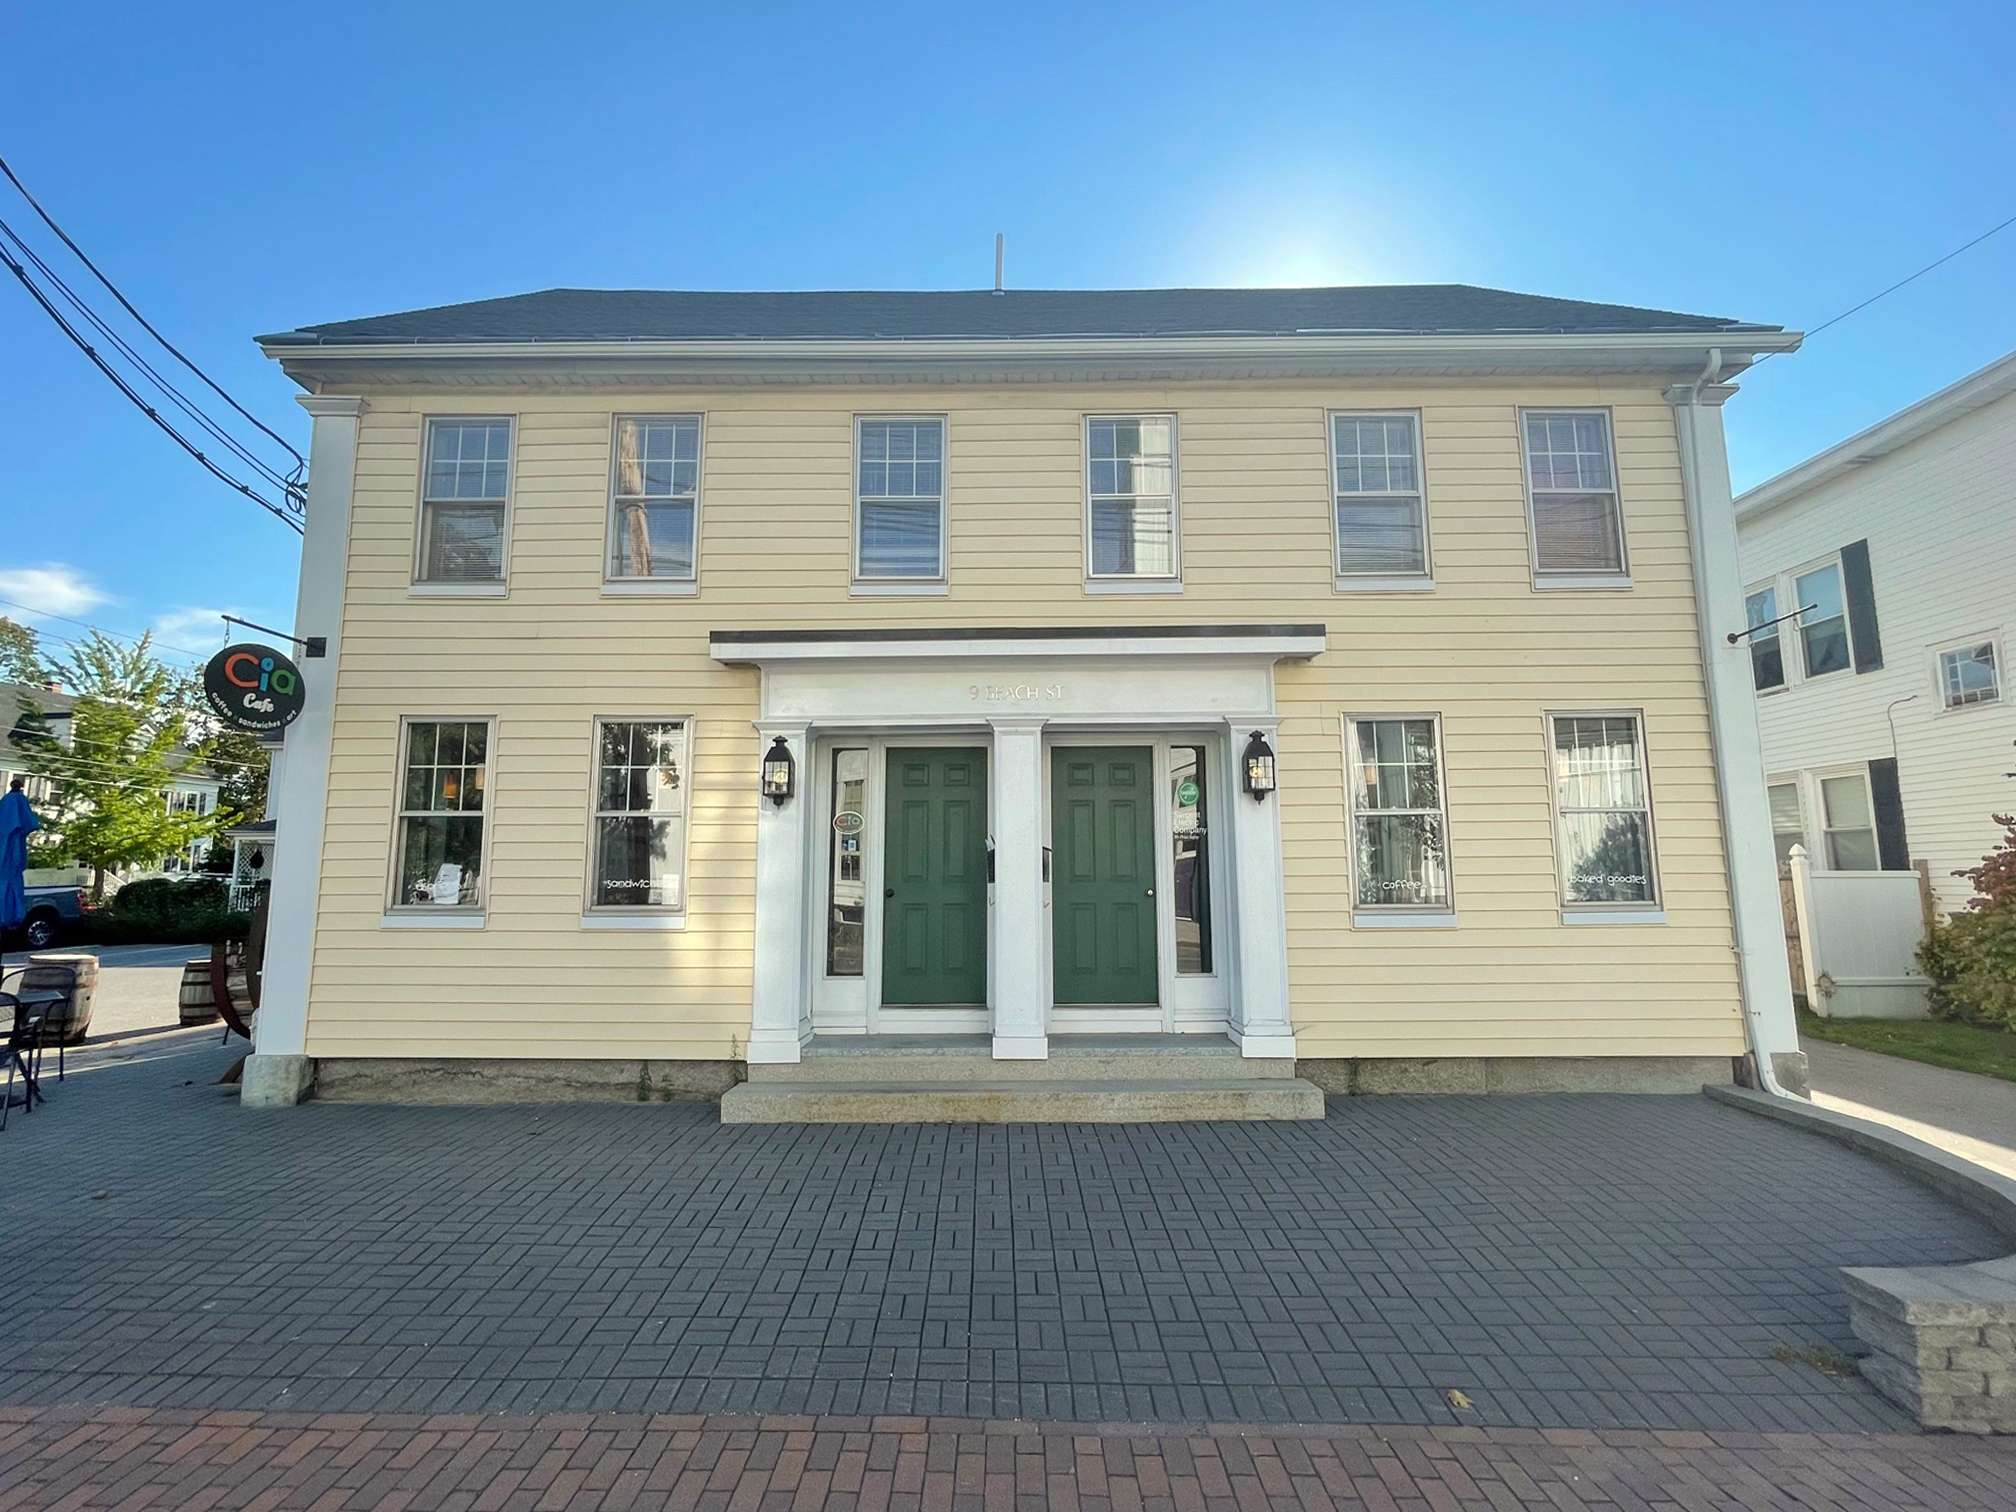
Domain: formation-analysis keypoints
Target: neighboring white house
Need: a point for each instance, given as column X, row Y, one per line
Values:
column 1888, row 724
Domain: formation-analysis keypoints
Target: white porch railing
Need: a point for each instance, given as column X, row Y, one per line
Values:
column 1859, row 932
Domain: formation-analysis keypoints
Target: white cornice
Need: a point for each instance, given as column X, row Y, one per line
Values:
column 1976, row 390
column 339, row 405
column 935, row 650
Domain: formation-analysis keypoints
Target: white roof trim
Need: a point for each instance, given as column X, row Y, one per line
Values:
column 1977, row 389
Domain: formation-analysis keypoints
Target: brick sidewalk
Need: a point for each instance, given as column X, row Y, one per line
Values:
column 129, row 1458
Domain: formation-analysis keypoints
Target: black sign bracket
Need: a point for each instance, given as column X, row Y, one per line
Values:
column 311, row 646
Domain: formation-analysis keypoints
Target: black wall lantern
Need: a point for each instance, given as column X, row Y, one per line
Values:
column 1258, row 778
column 780, row 772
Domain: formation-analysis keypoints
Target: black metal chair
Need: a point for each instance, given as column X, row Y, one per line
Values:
column 54, row 986
column 22, row 1050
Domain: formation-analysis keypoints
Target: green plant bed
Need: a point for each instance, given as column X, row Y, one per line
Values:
column 1958, row 1047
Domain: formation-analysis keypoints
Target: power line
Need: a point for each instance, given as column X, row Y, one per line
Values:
column 1883, row 293
column 127, row 304
column 144, row 407
column 114, row 634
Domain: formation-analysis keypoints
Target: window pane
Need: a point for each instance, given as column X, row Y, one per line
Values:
column 1826, row 645
column 653, row 540
column 441, row 861
column 1596, row 762
column 1845, row 801
column 637, row 862
column 1380, row 536
column 1819, row 594
column 1402, row 861
column 1608, row 857
column 1132, row 537
column 846, row 902
column 1767, row 652
column 1375, row 453
column 463, row 543
column 1576, row 532
column 1190, row 804
column 1852, row 850
column 468, row 459
column 899, row 540
column 1968, row 676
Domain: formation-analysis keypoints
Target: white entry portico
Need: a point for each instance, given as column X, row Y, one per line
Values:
column 1166, row 695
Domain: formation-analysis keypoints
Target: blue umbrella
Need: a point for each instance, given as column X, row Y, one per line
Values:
column 17, row 823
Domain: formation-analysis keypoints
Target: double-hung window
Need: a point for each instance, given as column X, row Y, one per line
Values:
column 1848, row 822
column 1399, row 823
column 1603, row 807
column 1767, row 646
column 899, row 500
column 1381, row 516
column 444, row 767
column 1823, row 626
column 465, row 493
column 1788, row 818
column 638, row 864
column 1130, row 511
column 655, row 501
column 1968, row 675
column 1571, row 488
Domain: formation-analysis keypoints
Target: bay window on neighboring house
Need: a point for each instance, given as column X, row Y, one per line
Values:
column 1603, row 816
column 465, row 492
column 637, row 851
column 1826, row 613
column 438, row 849
column 1574, row 514
column 1399, row 821
column 1130, row 503
column 654, row 505
column 1381, row 516
column 899, row 504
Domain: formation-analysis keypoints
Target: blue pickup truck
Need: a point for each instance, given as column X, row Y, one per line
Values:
column 53, row 912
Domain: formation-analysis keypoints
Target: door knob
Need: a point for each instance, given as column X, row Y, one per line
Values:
column 1151, row 892
column 889, row 892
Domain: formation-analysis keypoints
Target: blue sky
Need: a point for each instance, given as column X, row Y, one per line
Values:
column 246, row 168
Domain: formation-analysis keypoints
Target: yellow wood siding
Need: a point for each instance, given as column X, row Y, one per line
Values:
column 1484, row 650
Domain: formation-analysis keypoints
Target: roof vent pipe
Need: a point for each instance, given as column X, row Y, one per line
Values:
column 1000, row 248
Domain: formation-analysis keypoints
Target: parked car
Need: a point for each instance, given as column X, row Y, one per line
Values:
column 53, row 912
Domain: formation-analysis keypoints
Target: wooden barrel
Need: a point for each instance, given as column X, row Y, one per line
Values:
column 69, row 1021
column 198, row 1006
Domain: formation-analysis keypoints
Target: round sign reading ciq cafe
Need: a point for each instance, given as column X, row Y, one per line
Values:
column 253, row 687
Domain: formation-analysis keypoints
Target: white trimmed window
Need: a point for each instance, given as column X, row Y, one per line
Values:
column 1381, row 516
column 1968, row 675
column 1848, row 822
column 1130, row 513
column 899, row 500
column 1399, row 822
column 1571, row 489
column 639, row 841
column 1823, row 622
column 444, row 767
column 1788, row 818
column 1603, row 805
column 1767, row 646
column 655, row 499
column 465, row 493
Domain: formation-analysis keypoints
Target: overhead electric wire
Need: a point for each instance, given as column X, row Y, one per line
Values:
column 144, row 407
column 289, row 486
column 102, row 630
column 127, row 304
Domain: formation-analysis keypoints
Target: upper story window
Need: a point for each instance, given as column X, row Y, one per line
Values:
column 655, row 499
column 439, row 849
column 899, row 500
column 1767, row 647
column 1571, row 487
column 1823, row 624
column 1381, row 516
column 1968, row 675
column 1603, row 802
column 1130, row 496
column 1827, row 615
column 464, row 498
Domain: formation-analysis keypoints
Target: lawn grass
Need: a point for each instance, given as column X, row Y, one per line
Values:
column 1959, row 1047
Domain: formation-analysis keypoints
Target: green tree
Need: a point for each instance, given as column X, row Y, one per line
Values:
column 240, row 763
column 129, row 731
column 20, row 654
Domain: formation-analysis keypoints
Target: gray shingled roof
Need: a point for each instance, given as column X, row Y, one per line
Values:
column 673, row 315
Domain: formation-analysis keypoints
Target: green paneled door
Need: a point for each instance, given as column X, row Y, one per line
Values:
column 1102, row 890
column 934, row 904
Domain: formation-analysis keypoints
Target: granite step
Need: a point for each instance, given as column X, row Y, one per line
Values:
column 938, row 1060
column 1097, row 1100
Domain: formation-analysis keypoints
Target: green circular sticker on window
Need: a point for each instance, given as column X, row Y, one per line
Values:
column 1186, row 793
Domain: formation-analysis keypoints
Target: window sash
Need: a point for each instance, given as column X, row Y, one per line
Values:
column 1574, row 508
column 1788, row 823
column 894, row 529
column 1767, row 647
column 1603, row 805
column 1379, row 518
column 1131, row 531
column 654, row 498
column 1960, row 673
column 441, row 814
column 1398, row 811
column 638, row 827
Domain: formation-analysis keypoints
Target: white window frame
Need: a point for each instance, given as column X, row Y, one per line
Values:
column 1785, row 585
column 1555, row 581
column 400, row 915
column 636, row 916
column 1992, row 639
column 1797, row 782
column 899, row 587
column 1133, row 582
column 1647, row 911
column 678, row 586
column 1823, row 858
column 1775, row 588
column 1396, row 915
column 1348, row 581
column 499, row 586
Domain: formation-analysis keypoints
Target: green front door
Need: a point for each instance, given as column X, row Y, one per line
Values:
column 934, row 904
column 1102, row 890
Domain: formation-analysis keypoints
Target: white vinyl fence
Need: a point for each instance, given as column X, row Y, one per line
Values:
column 1859, row 932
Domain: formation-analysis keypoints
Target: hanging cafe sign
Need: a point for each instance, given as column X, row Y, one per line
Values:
column 253, row 687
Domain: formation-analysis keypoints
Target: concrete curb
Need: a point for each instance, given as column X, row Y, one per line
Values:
column 1943, row 1337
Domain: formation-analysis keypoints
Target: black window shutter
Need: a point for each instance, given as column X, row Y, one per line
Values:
column 1893, row 851
column 1861, row 591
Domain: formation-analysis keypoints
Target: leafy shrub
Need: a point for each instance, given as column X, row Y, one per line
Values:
column 166, row 911
column 1971, row 958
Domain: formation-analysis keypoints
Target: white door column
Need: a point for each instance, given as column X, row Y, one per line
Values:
column 1020, row 960
column 780, row 1018
column 1259, row 1009
column 279, row 1071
